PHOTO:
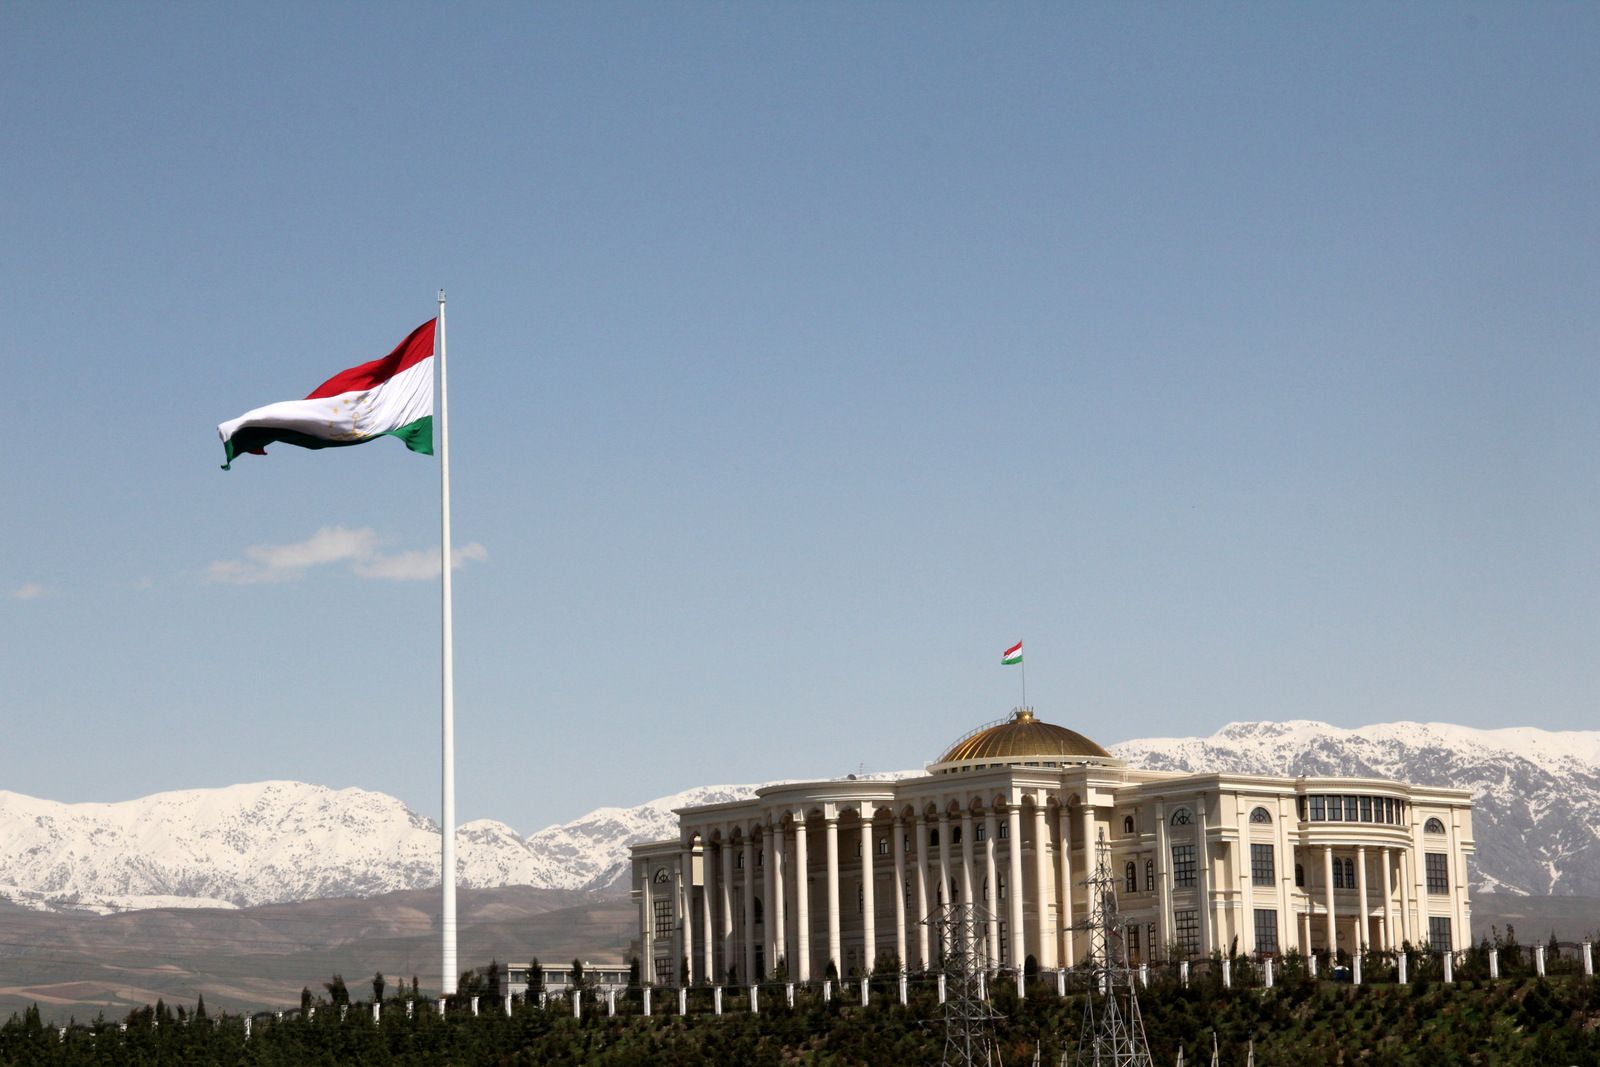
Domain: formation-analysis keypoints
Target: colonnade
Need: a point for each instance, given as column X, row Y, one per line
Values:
column 759, row 889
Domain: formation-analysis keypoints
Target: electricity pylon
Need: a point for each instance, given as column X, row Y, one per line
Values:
column 1110, row 1037
column 968, row 1015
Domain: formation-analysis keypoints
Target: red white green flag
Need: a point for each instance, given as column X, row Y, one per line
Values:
column 389, row 397
column 1011, row 655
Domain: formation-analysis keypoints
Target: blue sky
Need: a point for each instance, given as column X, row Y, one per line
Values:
column 1240, row 358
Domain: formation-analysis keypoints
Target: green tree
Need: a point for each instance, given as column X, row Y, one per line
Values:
column 377, row 988
column 337, row 993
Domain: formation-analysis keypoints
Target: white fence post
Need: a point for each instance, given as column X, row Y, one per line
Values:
column 647, row 1002
column 377, row 1012
column 1183, row 973
column 1588, row 960
column 1449, row 967
column 865, row 995
column 577, row 1003
column 683, row 1000
column 1494, row 963
column 827, row 990
column 902, row 989
column 611, row 1002
column 442, row 1005
column 1061, row 981
column 1538, row 960
column 941, row 988
column 247, row 1028
column 1355, row 968
column 474, row 1005
column 1402, row 963
column 1144, row 975
column 716, row 1000
column 1266, row 972
column 1022, row 985
column 788, row 992
column 1227, row 974
column 755, row 1000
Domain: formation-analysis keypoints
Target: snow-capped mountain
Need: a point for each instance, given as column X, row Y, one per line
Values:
column 1536, row 798
column 276, row 841
column 1536, row 793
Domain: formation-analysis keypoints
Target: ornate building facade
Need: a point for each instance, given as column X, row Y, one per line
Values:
column 837, row 876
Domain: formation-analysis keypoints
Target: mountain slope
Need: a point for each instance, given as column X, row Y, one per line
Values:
column 1536, row 798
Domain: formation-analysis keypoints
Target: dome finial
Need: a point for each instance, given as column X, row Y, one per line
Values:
column 1022, row 715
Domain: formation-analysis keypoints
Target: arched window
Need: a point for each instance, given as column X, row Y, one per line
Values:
column 933, row 838
column 981, row 833
column 738, row 861
column 1131, row 874
column 1181, row 817
column 759, row 912
column 1299, row 874
column 1433, row 826
column 1149, row 876
column 1261, row 815
column 883, row 846
column 1349, row 874
column 955, row 835
column 1002, row 832
column 1127, row 824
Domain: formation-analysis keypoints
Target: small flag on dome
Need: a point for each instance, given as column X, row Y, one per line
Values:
column 1011, row 655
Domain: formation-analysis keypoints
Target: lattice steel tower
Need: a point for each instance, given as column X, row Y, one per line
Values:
column 968, row 1015
column 1110, row 1037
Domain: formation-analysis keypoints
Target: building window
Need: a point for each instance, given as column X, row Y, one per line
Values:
column 955, row 835
column 933, row 838
column 1149, row 876
column 1127, row 824
column 1439, row 933
column 1261, row 815
column 1000, row 886
column 1352, row 811
column 1366, row 809
column 1134, row 957
column 1438, row 872
column 980, row 833
column 1267, row 930
column 1005, row 943
column 1181, row 817
column 761, row 857
column 1316, row 809
column 1300, row 874
column 1002, row 832
column 1335, row 809
column 1262, row 869
column 738, row 861
column 1338, row 874
column 1300, row 807
column 1131, row 877
column 760, row 911
column 1186, row 931
column 883, row 846
column 1350, row 874
column 1433, row 826
column 1182, row 865
column 986, row 890
column 664, row 919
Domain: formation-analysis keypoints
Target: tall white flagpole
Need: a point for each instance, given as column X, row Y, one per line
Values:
column 447, row 847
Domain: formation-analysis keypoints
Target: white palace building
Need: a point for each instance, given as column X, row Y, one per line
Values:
column 844, row 871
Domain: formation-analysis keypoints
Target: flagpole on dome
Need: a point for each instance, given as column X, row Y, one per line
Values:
column 447, row 814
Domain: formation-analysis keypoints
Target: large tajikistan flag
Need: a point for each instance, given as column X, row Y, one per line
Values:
column 392, row 396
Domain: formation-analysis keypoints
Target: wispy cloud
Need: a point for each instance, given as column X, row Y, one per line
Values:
column 360, row 550
column 33, row 590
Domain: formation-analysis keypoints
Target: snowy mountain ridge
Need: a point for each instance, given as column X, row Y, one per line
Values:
column 1536, row 815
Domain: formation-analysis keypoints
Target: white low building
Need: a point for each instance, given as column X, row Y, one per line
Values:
column 843, row 871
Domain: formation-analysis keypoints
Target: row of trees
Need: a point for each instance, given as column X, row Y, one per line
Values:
column 1522, row 1021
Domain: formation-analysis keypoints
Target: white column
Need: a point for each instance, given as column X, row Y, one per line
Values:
column 920, row 828
column 966, row 859
column 685, row 958
column 1389, row 941
column 777, row 899
column 1407, row 933
column 708, row 859
column 944, row 859
column 802, row 903
column 1041, row 893
column 1014, row 851
column 897, row 843
column 990, row 845
column 1361, row 899
column 830, row 829
column 1163, row 880
column 869, row 892
column 1064, row 890
column 750, row 974
column 1333, row 926
column 646, row 931
column 725, row 905
column 1202, row 850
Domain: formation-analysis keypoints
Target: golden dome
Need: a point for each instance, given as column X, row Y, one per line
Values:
column 1023, row 736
